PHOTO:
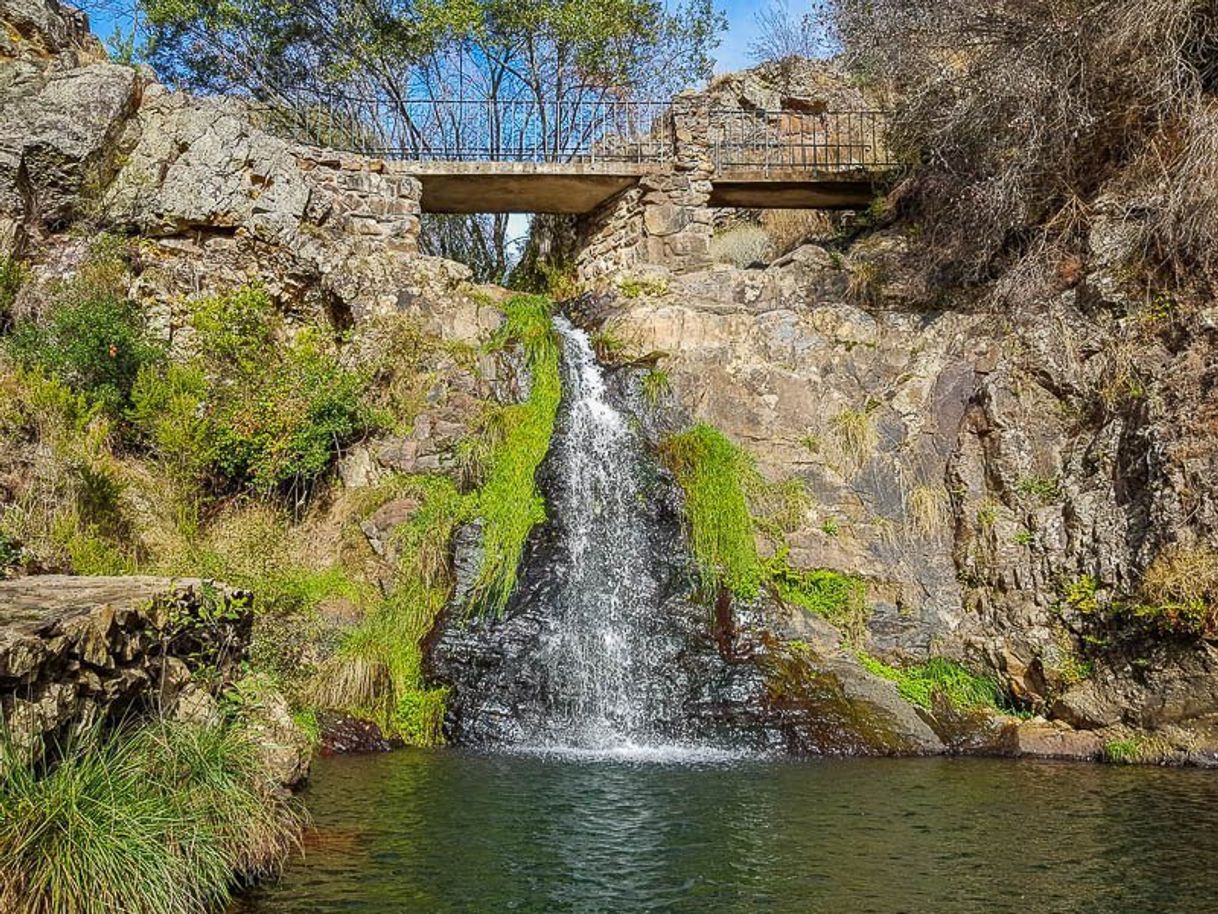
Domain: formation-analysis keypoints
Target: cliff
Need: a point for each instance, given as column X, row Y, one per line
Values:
column 1028, row 493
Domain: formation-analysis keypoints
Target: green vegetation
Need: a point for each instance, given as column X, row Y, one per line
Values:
column 728, row 504
column 841, row 599
column 259, row 411
column 1178, row 596
column 1041, row 488
column 152, row 821
column 1137, row 749
column 376, row 672
column 92, row 338
column 639, row 287
column 12, row 277
column 656, row 386
column 937, row 676
column 509, row 502
column 714, row 474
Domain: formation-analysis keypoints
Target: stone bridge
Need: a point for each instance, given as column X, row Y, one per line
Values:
column 643, row 178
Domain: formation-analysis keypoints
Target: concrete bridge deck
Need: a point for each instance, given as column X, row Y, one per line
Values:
column 578, row 188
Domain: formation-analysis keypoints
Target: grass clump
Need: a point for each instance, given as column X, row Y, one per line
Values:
column 854, row 438
column 656, row 386
column 159, row 820
column 1180, row 590
column 741, row 246
column 714, row 474
column 377, row 670
column 840, row 599
column 509, row 502
column 937, row 676
column 926, row 511
column 1178, row 596
column 12, row 276
column 727, row 504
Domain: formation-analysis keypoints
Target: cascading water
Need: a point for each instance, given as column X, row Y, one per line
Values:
column 597, row 664
column 603, row 646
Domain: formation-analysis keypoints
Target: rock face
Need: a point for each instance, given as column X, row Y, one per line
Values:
column 74, row 651
column 741, row 677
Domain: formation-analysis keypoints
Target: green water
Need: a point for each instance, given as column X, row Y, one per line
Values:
column 448, row 831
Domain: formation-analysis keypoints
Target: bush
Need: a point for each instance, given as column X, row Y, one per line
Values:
column 249, row 407
column 169, row 405
column 160, row 820
column 377, row 670
column 1015, row 117
column 284, row 422
column 92, row 339
column 840, row 599
column 741, row 246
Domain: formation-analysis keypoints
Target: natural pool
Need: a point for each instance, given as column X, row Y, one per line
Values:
column 452, row 831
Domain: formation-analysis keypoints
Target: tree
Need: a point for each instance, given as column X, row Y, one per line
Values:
column 782, row 33
column 444, row 78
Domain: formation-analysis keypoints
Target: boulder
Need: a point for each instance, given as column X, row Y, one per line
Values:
column 75, row 650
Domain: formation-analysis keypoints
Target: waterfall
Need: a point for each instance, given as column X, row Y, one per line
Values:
column 605, row 647
column 599, row 670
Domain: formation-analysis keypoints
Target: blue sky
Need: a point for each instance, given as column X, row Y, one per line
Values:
column 732, row 53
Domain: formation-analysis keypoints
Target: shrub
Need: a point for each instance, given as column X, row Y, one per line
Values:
column 741, row 246
column 285, row 422
column 92, row 339
column 155, row 821
column 1015, row 116
column 169, row 405
column 267, row 414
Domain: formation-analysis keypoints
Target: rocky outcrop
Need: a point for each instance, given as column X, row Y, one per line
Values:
column 61, row 109
column 75, row 651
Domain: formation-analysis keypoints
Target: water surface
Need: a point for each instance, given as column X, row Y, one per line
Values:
column 449, row 831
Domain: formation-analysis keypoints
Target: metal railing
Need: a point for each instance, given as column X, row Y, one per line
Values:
column 583, row 131
column 462, row 130
column 764, row 141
